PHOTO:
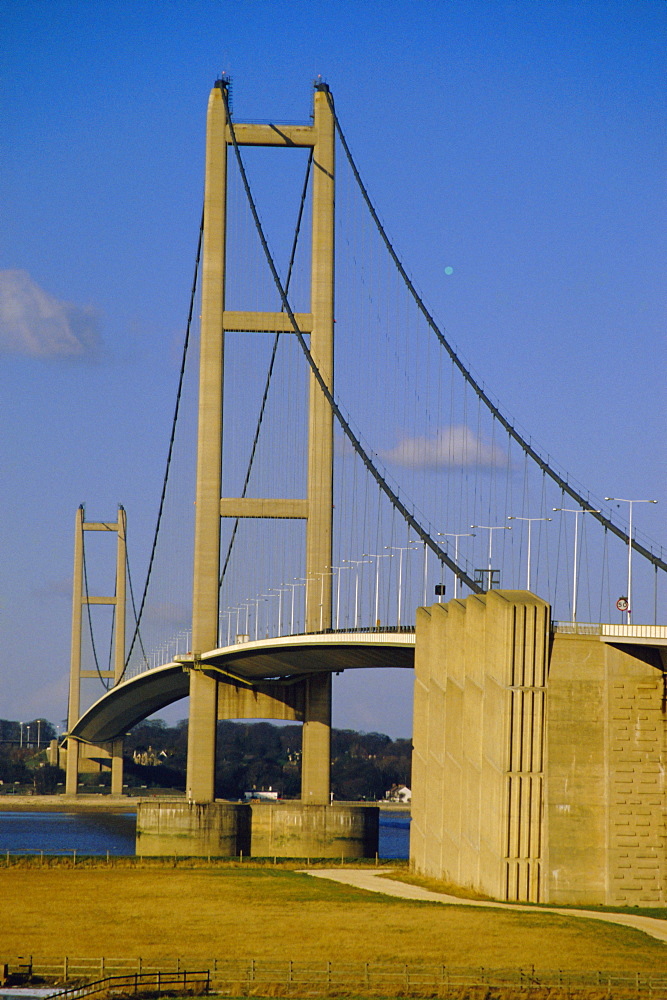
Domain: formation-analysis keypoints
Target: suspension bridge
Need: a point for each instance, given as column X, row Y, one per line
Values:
column 353, row 470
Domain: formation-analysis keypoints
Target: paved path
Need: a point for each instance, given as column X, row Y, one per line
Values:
column 374, row 881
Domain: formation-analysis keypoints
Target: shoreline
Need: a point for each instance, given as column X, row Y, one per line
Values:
column 68, row 803
column 116, row 804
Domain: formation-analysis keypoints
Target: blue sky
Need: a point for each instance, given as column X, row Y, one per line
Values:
column 519, row 143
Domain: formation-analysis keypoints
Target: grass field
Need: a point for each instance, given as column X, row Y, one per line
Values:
column 200, row 913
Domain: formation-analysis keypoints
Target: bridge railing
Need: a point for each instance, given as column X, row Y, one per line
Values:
column 620, row 631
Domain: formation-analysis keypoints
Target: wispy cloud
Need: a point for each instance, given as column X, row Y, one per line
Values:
column 450, row 447
column 36, row 324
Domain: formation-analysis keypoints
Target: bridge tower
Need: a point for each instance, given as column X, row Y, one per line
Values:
column 76, row 753
column 317, row 507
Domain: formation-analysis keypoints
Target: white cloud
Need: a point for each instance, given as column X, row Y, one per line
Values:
column 36, row 324
column 451, row 446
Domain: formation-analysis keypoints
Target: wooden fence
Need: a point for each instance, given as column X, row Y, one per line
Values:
column 260, row 977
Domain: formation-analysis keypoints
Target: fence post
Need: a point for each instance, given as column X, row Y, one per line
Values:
column 159, row 981
column 65, row 969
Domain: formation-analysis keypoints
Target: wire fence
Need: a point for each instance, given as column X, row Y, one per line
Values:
column 265, row 977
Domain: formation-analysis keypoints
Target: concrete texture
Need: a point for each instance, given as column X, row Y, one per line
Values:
column 477, row 781
column 192, row 829
column 294, row 830
column 259, row 829
column 538, row 766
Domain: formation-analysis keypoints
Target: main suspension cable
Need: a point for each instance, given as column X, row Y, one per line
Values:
column 509, row 427
column 170, row 451
column 355, row 442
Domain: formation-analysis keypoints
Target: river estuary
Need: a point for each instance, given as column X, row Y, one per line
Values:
column 99, row 833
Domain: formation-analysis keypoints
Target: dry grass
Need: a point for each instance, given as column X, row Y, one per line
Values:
column 199, row 914
column 436, row 885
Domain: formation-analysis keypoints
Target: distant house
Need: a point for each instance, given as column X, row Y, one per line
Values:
column 398, row 793
column 261, row 794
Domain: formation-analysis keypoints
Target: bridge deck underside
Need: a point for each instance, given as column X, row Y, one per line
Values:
column 289, row 659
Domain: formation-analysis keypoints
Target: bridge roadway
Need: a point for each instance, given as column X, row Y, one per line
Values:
column 287, row 658
column 282, row 659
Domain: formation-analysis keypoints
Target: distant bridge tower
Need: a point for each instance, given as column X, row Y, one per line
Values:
column 317, row 507
column 77, row 753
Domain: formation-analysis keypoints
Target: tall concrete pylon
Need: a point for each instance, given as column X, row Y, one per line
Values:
column 317, row 507
column 80, row 598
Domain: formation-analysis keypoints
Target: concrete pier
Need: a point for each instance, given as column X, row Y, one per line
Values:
column 192, row 829
column 261, row 829
column 295, row 830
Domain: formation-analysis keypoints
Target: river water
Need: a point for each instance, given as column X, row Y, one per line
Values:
column 100, row 833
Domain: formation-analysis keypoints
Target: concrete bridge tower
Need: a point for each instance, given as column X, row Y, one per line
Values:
column 317, row 507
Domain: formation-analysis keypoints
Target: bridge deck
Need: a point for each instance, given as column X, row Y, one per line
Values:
column 283, row 658
column 289, row 656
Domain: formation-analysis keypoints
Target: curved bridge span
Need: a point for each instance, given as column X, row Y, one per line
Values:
column 282, row 660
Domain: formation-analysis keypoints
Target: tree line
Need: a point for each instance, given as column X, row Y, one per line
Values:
column 250, row 755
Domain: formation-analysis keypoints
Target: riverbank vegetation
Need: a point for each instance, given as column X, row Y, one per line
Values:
column 228, row 912
column 249, row 755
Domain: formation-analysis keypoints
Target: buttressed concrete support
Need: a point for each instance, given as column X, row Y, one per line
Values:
column 477, row 782
column 80, row 599
column 538, row 768
column 317, row 508
column 203, row 690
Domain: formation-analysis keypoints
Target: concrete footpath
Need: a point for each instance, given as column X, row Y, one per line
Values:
column 375, row 881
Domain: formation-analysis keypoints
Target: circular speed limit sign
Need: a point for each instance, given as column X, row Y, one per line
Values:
column 622, row 604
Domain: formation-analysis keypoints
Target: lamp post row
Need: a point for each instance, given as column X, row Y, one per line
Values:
column 412, row 546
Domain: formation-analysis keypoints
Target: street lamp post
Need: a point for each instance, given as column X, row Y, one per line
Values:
column 491, row 528
column 356, row 562
column 456, row 536
column 256, row 601
column 246, row 605
column 576, row 511
column 300, row 581
column 377, row 557
column 280, row 590
column 266, row 598
column 400, row 549
column 415, row 541
column 228, row 613
column 338, row 570
column 629, row 503
column 530, row 520
column 323, row 573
